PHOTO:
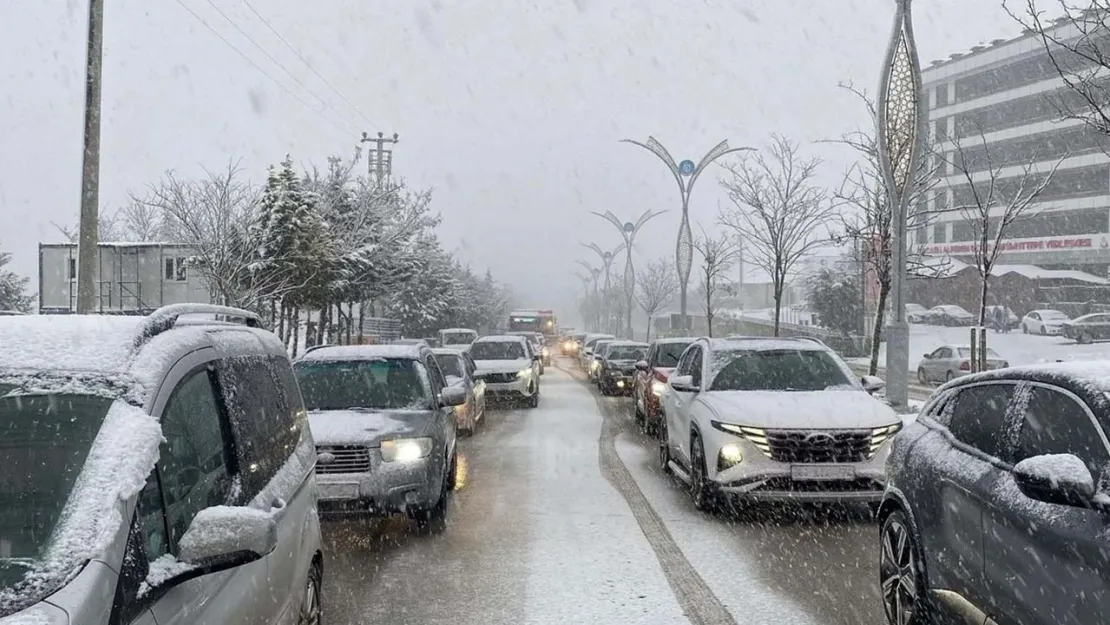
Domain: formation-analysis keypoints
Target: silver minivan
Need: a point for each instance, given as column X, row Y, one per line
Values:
column 158, row 470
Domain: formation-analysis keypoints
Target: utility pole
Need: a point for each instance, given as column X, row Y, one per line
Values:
column 379, row 161
column 88, row 256
column 740, row 263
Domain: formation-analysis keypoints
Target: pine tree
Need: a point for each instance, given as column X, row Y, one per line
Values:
column 13, row 288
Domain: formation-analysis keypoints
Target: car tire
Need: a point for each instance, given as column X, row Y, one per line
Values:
column 701, row 491
column 311, row 612
column 1082, row 338
column 433, row 520
column 664, row 448
column 900, row 565
column 1043, row 332
column 534, row 400
column 921, row 379
column 1024, row 329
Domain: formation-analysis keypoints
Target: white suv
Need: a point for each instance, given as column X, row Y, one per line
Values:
column 782, row 419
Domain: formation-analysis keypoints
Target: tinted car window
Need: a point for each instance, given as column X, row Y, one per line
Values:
column 260, row 418
column 979, row 417
column 194, row 459
column 450, row 364
column 667, row 354
column 778, row 370
column 379, row 384
column 498, row 350
column 1054, row 423
column 695, row 365
column 435, row 375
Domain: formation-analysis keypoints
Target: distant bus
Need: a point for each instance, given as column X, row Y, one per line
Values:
column 533, row 321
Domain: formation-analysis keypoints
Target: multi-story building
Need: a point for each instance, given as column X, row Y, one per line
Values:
column 1005, row 100
column 135, row 278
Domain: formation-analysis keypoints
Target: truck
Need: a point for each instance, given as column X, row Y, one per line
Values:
column 534, row 320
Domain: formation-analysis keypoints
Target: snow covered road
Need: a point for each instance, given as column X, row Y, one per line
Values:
column 564, row 517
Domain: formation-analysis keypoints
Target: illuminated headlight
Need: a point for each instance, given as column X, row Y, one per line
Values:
column 755, row 436
column 658, row 387
column 523, row 373
column 620, row 383
column 730, row 454
column 569, row 345
column 406, row 449
column 545, row 352
column 594, row 365
column 879, row 436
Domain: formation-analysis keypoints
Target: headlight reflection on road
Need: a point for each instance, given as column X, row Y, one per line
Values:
column 462, row 471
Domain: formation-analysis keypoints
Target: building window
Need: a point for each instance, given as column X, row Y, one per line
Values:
column 942, row 95
column 940, row 233
column 72, row 269
column 175, row 269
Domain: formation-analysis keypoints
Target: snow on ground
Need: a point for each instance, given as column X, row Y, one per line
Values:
column 590, row 562
column 1014, row 347
column 725, row 563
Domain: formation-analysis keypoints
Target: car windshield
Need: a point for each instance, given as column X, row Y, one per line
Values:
column 450, row 364
column 667, row 354
column 627, row 352
column 44, row 441
column 379, row 384
column 779, row 370
column 459, row 338
column 497, row 350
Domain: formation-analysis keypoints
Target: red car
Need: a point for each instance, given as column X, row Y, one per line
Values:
column 651, row 379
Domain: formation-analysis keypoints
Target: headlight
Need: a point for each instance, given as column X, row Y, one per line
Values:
column 545, row 352
column 523, row 373
column 658, row 387
column 755, row 436
column 594, row 365
column 879, row 436
column 406, row 449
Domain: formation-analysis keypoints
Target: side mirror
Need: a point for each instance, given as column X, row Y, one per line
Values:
column 927, row 355
column 872, row 384
column 1061, row 479
column 452, row 396
column 683, row 383
column 642, row 365
column 222, row 538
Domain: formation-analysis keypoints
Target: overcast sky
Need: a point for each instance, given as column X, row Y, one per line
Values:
column 511, row 109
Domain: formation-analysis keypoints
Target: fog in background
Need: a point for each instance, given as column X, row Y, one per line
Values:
column 512, row 110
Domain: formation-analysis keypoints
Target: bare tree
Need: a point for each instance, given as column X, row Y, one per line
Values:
column 1078, row 48
column 141, row 222
column 991, row 202
column 778, row 209
column 108, row 229
column 717, row 256
column 656, row 285
column 867, row 220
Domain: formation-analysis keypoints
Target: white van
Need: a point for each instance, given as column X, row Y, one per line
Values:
column 458, row 338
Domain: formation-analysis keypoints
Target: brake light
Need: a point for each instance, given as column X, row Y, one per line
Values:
column 965, row 366
column 659, row 375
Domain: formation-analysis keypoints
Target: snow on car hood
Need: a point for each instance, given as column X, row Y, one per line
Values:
column 356, row 427
column 833, row 409
column 502, row 366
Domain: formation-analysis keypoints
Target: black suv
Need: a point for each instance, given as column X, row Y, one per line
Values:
column 996, row 507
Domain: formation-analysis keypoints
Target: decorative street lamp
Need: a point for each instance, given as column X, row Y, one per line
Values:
column 685, row 174
column 900, row 129
column 628, row 231
column 594, row 274
column 606, row 263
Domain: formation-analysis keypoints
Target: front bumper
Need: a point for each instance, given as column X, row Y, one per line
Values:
column 616, row 381
column 386, row 488
column 521, row 387
column 760, row 478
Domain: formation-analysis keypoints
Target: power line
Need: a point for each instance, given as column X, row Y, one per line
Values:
column 307, row 64
column 242, row 32
column 262, row 71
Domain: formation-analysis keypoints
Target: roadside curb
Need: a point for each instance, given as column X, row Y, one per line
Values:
column 694, row 596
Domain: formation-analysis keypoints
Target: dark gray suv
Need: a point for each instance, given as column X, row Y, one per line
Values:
column 997, row 504
column 384, row 422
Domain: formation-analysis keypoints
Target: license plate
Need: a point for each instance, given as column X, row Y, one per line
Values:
column 817, row 473
column 336, row 491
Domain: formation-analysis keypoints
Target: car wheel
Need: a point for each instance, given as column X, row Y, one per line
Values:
column 434, row 519
column 921, row 379
column 664, row 448
column 1024, row 329
column 901, row 581
column 1082, row 338
column 534, row 400
column 701, row 491
column 311, row 613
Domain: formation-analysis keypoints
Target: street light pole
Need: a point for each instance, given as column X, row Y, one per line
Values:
column 88, row 250
column 628, row 231
column 900, row 129
column 606, row 263
column 685, row 174
column 595, row 273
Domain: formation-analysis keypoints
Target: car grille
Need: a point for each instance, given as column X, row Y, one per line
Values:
column 628, row 370
column 498, row 378
column 806, row 446
column 838, row 486
column 348, row 459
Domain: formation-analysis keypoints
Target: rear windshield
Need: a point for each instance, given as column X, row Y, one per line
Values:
column 667, row 354
column 497, row 350
column 380, row 384
column 627, row 353
column 450, row 364
column 965, row 352
column 459, row 338
column 779, row 370
column 44, row 441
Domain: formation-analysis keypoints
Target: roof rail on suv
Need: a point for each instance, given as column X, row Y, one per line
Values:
column 165, row 317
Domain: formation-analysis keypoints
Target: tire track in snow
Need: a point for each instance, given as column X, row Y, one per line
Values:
column 695, row 597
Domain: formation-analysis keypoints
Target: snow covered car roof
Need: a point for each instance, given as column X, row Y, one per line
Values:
column 761, row 343
column 501, row 338
column 1088, row 378
column 676, row 339
column 365, row 352
column 613, row 344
